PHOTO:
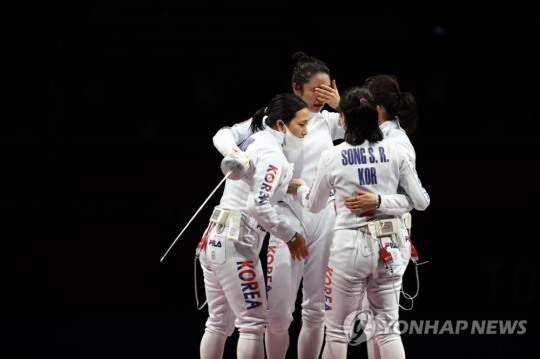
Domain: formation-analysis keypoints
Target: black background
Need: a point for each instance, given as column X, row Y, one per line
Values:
column 109, row 110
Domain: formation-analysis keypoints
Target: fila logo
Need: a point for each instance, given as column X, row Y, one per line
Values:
column 214, row 243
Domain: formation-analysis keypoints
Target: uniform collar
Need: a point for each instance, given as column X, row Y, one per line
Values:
column 388, row 126
column 277, row 135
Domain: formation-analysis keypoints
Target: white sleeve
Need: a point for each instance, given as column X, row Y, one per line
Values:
column 337, row 132
column 269, row 170
column 227, row 139
column 395, row 204
column 315, row 198
column 407, row 148
column 399, row 204
column 410, row 183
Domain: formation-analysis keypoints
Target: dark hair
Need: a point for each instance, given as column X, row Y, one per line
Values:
column 361, row 116
column 403, row 105
column 283, row 106
column 305, row 67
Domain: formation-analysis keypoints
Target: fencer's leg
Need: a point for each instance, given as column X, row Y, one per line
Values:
column 277, row 343
column 282, row 278
column 220, row 322
column 373, row 351
column 212, row 345
column 334, row 348
column 372, row 348
column 384, row 301
column 311, row 336
column 346, row 282
column 310, row 339
column 390, row 346
column 250, row 346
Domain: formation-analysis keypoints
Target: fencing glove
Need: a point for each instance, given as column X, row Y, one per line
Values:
column 238, row 164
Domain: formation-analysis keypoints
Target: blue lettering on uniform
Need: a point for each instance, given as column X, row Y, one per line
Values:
column 248, row 281
column 371, row 156
column 244, row 145
column 270, row 266
column 353, row 156
column 266, row 187
column 382, row 155
column 367, row 176
column 328, row 289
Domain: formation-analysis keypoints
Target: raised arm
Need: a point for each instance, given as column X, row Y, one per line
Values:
column 228, row 139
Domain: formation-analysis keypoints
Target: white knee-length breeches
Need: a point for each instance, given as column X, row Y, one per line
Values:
column 284, row 274
column 234, row 281
column 355, row 270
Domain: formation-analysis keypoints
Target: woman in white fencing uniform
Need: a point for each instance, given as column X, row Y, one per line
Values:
column 399, row 118
column 229, row 250
column 311, row 81
column 365, row 257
